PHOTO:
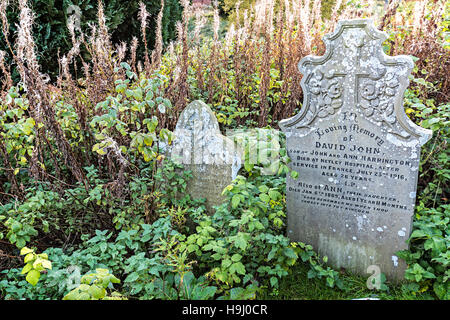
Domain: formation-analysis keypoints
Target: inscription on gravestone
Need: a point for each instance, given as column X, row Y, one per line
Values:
column 356, row 152
column 201, row 148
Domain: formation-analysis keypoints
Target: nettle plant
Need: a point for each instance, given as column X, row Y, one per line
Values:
column 243, row 244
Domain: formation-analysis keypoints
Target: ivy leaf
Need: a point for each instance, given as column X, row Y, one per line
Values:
column 436, row 245
column 419, row 234
column 272, row 253
column 290, row 253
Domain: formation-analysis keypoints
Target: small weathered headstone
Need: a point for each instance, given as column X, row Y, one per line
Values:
column 200, row 147
column 356, row 152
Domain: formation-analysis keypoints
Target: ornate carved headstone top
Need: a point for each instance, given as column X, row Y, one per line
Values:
column 355, row 75
column 356, row 151
column 201, row 148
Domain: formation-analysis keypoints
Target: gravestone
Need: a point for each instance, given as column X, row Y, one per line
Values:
column 356, row 152
column 200, row 147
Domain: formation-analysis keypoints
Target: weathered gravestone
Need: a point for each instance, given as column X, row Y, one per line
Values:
column 356, row 152
column 200, row 147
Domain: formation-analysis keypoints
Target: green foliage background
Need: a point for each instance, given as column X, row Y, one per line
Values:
column 52, row 35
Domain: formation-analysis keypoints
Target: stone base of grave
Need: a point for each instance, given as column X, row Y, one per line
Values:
column 208, row 182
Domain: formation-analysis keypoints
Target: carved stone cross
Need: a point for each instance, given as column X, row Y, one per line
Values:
column 356, row 152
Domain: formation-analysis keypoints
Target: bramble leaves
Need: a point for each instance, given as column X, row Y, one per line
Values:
column 93, row 286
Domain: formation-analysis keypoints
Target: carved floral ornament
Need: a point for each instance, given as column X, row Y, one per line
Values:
column 378, row 97
column 326, row 93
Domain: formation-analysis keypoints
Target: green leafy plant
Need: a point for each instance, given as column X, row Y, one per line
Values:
column 243, row 243
column 168, row 274
column 429, row 257
column 35, row 264
column 132, row 113
column 93, row 287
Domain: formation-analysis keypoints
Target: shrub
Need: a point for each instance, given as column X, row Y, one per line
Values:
column 93, row 287
column 429, row 253
column 429, row 256
column 52, row 36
